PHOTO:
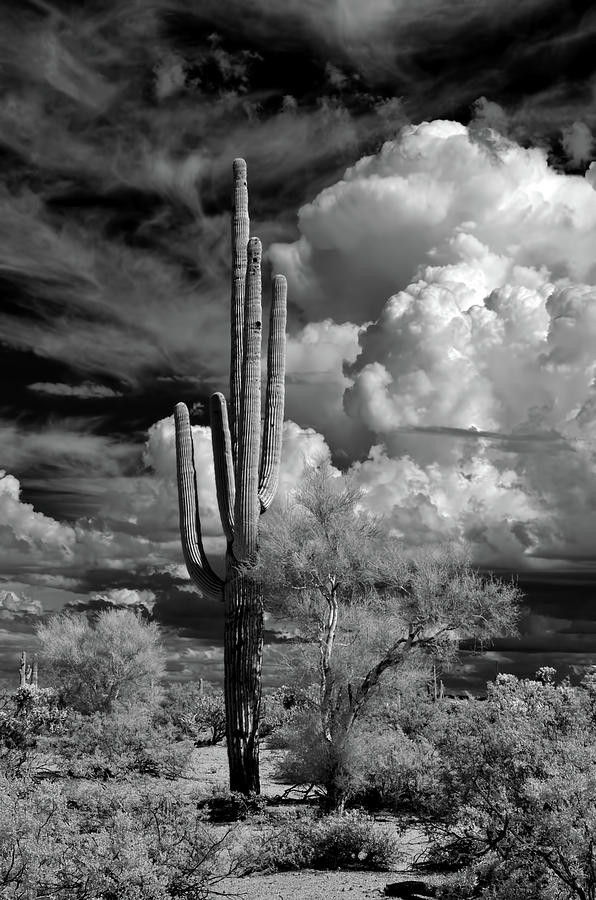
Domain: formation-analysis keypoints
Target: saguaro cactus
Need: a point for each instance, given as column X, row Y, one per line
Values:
column 27, row 673
column 246, row 462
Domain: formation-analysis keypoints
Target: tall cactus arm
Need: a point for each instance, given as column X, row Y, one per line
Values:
column 190, row 525
column 246, row 513
column 275, row 394
column 240, row 235
column 223, row 463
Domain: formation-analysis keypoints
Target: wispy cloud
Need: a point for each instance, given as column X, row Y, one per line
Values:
column 85, row 391
column 67, row 448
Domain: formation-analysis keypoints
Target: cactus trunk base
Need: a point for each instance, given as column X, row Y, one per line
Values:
column 243, row 659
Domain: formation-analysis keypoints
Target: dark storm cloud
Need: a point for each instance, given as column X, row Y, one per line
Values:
column 119, row 121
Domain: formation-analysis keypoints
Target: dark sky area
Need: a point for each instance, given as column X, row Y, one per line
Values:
column 421, row 170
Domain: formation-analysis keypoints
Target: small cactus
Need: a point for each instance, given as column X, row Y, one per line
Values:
column 246, row 463
column 28, row 674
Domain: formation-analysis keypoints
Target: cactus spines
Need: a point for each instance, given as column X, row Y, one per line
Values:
column 246, row 464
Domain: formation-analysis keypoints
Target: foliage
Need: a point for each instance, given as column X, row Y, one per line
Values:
column 118, row 658
column 374, row 768
column 25, row 715
column 394, row 772
column 194, row 710
column 232, row 806
column 105, row 843
column 335, row 842
column 280, row 709
column 518, row 798
column 119, row 744
column 364, row 608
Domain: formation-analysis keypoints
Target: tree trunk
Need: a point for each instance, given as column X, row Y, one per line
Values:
column 335, row 801
column 338, row 778
column 243, row 659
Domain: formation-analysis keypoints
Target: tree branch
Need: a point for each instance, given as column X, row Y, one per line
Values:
column 326, row 649
column 391, row 658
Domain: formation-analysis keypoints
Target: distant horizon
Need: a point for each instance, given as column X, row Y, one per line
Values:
column 547, row 638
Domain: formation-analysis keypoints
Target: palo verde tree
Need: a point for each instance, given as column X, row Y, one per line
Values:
column 116, row 659
column 246, row 462
column 365, row 607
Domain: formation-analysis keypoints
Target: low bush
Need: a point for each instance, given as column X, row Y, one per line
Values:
column 307, row 759
column 26, row 715
column 195, row 712
column 333, row 842
column 106, row 842
column 379, row 770
column 232, row 806
column 395, row 772
column 518, row 792
column 116, row 745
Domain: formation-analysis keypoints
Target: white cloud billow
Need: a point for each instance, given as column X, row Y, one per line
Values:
column 364, row 237
column 476, row 376
column 159, row 498
column 25, row 530
column 127, row 597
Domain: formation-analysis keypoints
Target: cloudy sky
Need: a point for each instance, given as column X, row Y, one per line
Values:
column 420, row 170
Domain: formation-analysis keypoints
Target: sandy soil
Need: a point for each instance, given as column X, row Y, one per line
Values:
column 210, row 769
column 309, row 885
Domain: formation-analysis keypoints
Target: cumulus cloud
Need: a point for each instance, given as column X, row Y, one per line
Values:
column 301, row 446
column 416, row 201
column 24, row 530
column 116, row 598
column 478, row 501
column 578, row 143
column 62, row 561
column 15, row 607
column 476, row 377
column 316, row 381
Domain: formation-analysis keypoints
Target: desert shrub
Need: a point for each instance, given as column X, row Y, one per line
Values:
column 280, row 709
column 334, row 842
column 25, row 716
column 95, row 665
column 489, row 879
column 309, row 758
column 105, row 843
column 118, row 744
column 519, row 789
column 374, row 769
column 394, row 772
column 195, row 712
column 210, row 716
column 232, row 806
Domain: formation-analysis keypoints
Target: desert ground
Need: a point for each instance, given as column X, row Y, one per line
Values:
column 210, row 771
